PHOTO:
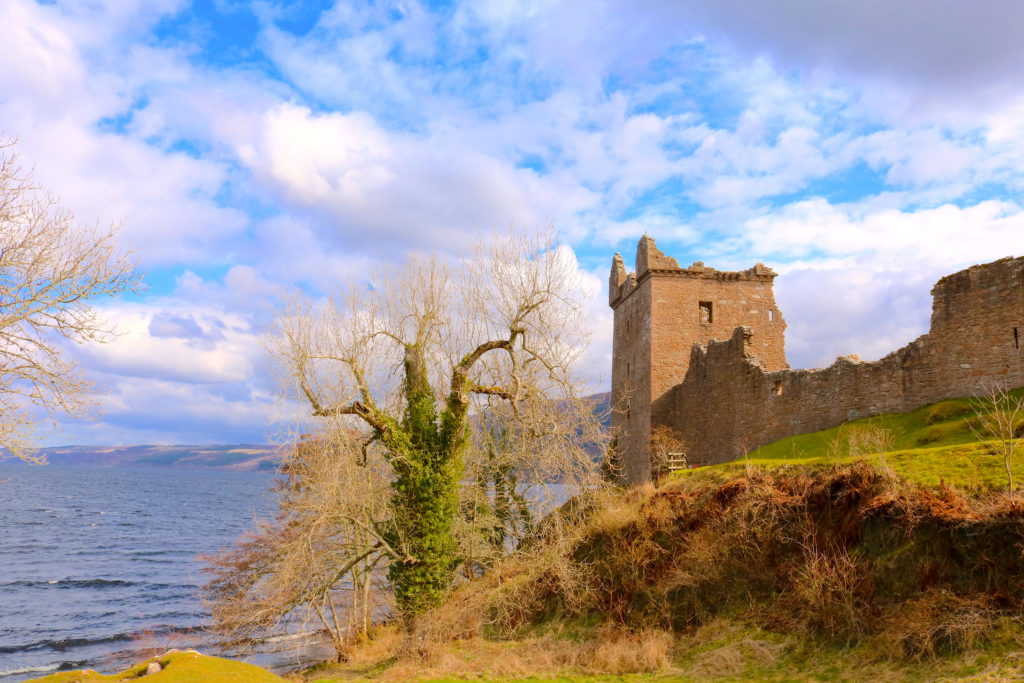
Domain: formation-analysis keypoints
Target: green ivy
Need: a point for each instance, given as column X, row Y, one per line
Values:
column 425, row 450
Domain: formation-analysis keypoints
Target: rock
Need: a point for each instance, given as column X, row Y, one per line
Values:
column 153, row 668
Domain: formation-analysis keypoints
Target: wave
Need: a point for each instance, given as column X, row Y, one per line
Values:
column 72, row 583
column 63, row 644
column 288, row 636
column 93, row 583
column 157, row 553
column 31, row 670
column 42, row 669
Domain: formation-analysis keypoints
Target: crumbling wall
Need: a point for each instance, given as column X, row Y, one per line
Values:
column 729, row 403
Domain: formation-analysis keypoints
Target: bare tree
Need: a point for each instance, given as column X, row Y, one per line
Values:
column 317, row 562
column 321, row 562
column 871, row 439
column 51, row 271
column 414, row 358
column 999, row 417
column 525, row 461
column 668, row 451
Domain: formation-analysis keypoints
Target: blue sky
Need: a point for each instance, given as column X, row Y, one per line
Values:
column 247, row 149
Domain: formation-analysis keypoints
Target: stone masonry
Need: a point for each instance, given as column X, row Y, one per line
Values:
column 701, row 351
column 661, row 311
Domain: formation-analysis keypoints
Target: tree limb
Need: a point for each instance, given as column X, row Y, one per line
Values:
column 492, row 391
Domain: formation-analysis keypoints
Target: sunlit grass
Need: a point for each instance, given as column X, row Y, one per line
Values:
column 726, row 649
column 178, row 667
column 931, row 445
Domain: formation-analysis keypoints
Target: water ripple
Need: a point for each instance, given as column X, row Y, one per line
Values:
column 91, row 575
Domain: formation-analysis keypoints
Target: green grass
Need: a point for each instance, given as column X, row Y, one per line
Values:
column 931, row 445
column 178, row 667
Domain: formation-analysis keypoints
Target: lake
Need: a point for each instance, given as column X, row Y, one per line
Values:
column 99, row 564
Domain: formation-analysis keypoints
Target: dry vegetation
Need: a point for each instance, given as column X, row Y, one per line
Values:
column 316, row 566
column 668, row 450
column 838, row 572
column 999, row 416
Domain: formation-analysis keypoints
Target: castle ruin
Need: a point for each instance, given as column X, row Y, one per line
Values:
column 702, row 351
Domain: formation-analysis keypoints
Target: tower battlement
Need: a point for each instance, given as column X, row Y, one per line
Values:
column 652, row 261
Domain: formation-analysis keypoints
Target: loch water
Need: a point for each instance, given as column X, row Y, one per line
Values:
column 98, row 565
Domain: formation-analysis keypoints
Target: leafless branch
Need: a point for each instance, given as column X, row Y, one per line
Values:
column 51, row 270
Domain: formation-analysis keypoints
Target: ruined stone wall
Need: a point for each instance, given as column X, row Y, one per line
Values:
column 730, row 402
column 661, row 310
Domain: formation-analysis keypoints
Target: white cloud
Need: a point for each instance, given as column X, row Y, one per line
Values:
column 942, row 237
column 166, row 203
column 187, row 368
column 940, row 47
column 297, row 253
column 145, row 348
column 151, row 410
column 854, row 280
column 373, row 186
column 856, row 310
column 38, row 59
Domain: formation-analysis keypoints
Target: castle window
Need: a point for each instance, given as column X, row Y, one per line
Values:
column 705, row 312
column 778, row 387
column 771, row 314
column 1016, row 339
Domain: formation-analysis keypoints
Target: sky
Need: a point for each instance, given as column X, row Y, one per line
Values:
column 247, row 149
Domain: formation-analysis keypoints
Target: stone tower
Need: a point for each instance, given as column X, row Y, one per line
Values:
column 661, row 311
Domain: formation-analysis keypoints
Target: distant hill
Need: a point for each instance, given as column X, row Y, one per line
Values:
column 603, row 406
column 230, row 457
column 237, row 457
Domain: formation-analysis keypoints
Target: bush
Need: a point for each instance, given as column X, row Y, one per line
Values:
column 942, row 432
column 946, row 411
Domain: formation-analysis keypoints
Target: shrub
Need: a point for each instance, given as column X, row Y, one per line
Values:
column 946, row 411
column 941, row 432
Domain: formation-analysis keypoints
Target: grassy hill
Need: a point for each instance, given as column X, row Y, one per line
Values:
column 176, row 667
column 936, row 444
column 835, row 572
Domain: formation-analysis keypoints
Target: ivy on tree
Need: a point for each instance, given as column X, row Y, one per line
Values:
column 414, row 356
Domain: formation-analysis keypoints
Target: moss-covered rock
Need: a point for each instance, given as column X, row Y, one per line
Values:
column 176, row 667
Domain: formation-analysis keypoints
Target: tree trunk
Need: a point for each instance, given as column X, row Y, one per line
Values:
column 428, row 467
